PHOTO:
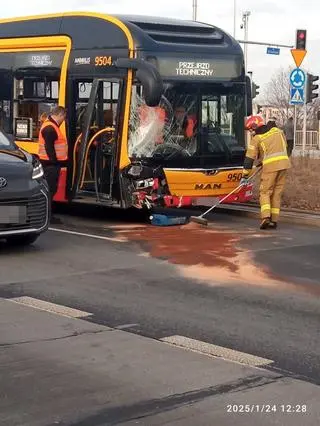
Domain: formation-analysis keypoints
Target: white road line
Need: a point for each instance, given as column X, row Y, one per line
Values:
column 82, row 234
column 125, row 326
column 217, row 351
column 49, row 307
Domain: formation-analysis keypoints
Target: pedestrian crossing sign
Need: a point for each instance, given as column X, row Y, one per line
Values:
column 296, row 96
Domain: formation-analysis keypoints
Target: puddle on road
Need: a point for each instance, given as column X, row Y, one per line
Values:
column 205, row 254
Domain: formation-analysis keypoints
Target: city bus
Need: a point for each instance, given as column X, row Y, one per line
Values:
column 155, row 106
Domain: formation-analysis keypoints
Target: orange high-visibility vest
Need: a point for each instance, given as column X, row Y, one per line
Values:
column 191, row 122
column 60, row 145
column 144, row 111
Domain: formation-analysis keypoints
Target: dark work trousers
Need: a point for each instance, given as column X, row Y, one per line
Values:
column 52, row 173
column 290, row 143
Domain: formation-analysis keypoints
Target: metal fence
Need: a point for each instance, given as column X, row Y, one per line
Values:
column 312, row 140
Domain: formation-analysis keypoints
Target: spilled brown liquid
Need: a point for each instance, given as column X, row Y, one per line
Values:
column 209, row 255
column 198, row 252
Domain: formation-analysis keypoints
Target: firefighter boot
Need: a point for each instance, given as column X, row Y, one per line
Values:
column 273, row 225
column 265, row 223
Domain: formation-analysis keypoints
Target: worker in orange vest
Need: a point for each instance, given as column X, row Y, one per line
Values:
column 53, row 147
column 155, row 115
column 183, row 124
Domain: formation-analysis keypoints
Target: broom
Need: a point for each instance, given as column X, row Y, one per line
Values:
column 202, row 221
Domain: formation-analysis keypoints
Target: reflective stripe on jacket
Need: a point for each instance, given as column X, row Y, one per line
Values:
column 271, row 148
column 60, row 145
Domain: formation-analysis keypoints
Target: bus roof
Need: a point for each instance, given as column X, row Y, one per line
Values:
column 89, row 30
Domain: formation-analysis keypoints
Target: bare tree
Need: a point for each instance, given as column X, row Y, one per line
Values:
column 277, row 95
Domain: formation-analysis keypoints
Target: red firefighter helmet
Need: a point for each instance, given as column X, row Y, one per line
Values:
column 253, row 122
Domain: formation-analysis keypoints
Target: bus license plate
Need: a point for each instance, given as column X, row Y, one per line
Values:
column 13, row 215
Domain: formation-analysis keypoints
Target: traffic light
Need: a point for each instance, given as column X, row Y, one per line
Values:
column 255, row 91
column 301, row 39
column 311, row 87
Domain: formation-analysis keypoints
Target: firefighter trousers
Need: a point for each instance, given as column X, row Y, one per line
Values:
column 271, row 189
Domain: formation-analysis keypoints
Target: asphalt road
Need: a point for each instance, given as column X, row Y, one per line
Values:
column 228, row 285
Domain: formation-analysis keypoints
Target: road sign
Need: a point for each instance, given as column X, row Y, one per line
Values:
column 296, row 96
column 297, row 78
column 273, row 51
column 298, row 56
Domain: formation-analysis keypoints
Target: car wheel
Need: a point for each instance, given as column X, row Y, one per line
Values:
column 22, row 240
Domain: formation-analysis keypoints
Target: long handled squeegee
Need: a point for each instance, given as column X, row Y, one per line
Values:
column 202, row 221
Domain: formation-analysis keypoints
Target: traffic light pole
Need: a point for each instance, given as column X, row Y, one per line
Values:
column 304, row 133
column 304, row 140
column 295, row 127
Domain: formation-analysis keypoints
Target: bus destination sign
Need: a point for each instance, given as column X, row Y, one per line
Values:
column 199, row 69
column 39, row 59
column 196, row 69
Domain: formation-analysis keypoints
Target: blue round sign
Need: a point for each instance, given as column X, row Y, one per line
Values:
column 297, row 78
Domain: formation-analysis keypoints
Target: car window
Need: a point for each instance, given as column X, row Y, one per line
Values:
column 5, row 141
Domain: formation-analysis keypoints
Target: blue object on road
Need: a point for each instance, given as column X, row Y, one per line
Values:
column 164, row 220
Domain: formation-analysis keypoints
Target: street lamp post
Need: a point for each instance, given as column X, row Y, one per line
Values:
column 234, row 17
column 245, row 26
column 195, row 9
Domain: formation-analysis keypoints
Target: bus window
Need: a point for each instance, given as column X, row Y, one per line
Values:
column 103, row 112
column 190, row 125
column 108, row 108
column 170, row 126
column 82, row 98
column 34, row 97
column 6, row 89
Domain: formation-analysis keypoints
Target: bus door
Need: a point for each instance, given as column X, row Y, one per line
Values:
column 95, row 148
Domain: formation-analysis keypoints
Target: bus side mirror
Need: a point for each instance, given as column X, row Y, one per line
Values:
column 248, row 96
column 149, row 77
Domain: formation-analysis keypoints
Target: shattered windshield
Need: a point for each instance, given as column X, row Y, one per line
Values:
column 190, row 122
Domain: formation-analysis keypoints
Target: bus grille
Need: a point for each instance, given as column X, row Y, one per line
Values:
column 37, row 213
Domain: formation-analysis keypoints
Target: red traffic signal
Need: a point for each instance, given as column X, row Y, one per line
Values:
column 301, row 39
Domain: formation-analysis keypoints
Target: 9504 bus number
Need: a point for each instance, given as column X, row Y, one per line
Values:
column 234, row 177
column 103, row 61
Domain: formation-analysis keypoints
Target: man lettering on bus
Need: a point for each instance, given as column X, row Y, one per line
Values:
column 268, row 145
column 53, row 148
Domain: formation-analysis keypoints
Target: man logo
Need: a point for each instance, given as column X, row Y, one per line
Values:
column 3, row 182
column 206, row 186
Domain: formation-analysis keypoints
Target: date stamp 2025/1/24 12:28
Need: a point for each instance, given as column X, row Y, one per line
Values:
column 267, row 408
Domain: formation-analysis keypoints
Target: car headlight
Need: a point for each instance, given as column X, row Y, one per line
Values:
column 37, row 171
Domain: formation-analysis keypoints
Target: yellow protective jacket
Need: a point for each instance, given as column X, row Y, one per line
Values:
column 270, row 147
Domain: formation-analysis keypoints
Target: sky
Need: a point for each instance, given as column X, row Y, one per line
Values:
column 271, row 21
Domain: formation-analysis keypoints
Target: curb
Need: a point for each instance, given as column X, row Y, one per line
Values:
column 243, row 210
column 287, row 216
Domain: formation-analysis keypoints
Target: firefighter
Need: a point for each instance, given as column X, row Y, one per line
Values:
column 269, row 145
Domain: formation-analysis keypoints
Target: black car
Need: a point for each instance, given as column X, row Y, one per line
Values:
column 24, row 197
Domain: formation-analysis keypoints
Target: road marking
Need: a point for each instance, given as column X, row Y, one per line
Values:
column 126, row 326
column 82, row 234
column 217, row 351
column 50, row 307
